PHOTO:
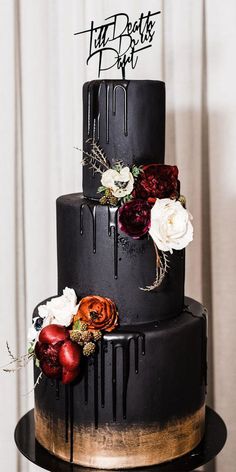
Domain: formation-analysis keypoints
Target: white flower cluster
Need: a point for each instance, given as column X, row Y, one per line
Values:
column 171, row 226
column 120, row 183
column 59, row 310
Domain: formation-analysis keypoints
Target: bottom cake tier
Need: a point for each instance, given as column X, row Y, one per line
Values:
column 139, row 401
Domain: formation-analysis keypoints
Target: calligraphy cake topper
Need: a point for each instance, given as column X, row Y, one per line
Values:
column 118, row 42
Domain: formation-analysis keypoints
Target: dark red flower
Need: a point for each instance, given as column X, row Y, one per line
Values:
column 58, row 356
column 157, row 181
column 69, row 376
column 135, row 218
column 53, row 333
column 48, row 352
column 70, row 355
column 50, row 370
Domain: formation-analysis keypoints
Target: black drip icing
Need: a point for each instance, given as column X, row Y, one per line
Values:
column 95, row 391
column 71, row 410
column 120, row 340
column 57, row 390
column 104, row 347
column 66, row 414
column 114, row 98
column 93, row 109
column 112, row 225
column 86, row 381
column 114, row 381
column 107, row 111
column 93, row 113
column 93, row 214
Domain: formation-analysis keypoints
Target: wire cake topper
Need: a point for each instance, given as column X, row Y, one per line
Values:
column 118, row 41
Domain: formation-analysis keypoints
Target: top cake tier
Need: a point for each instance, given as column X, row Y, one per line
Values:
column 127, row 119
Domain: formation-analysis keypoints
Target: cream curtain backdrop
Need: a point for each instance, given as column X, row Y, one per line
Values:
column 42, row 69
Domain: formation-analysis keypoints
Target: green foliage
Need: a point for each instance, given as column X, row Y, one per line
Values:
column 136, row 170
column 31, row 348
column 101, row 189
column 108, row 192
column 77, row 325
column 127, row 198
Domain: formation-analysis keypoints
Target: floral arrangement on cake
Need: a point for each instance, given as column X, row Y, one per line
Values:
column 150, row 204
column 63, row 332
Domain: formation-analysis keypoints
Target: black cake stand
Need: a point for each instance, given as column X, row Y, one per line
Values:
column 211, row 445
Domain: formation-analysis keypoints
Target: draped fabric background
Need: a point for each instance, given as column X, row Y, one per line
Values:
column 42, row 69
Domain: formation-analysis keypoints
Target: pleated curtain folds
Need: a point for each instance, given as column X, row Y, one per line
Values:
column 42, row 69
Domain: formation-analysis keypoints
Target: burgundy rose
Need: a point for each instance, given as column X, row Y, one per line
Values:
column 135, row 218
column 157, row 181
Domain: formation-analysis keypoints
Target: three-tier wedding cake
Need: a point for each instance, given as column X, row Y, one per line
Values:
column 122, row 351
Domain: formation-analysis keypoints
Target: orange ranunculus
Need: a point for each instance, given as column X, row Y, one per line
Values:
column 98, row 313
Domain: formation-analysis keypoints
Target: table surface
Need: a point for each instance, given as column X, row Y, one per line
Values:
column 210, row 446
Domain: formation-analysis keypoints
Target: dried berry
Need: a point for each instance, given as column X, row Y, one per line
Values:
column 89, row 349
column 97, row 335
column 87, row 336
column 76, row 335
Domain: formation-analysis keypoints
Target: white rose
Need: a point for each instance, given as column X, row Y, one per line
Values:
column 59, row 310
column 171, row 227
column 121, row 183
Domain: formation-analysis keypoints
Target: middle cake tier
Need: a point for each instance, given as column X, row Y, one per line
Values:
column 96, row 258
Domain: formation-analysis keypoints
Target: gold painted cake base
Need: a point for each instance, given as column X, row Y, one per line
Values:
column 118, row 446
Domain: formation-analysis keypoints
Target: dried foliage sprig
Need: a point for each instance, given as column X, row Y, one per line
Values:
column 98, row 153
column 96, row 159
column 162, row 265
column 9, row 351
column 40, row 376
column 17, row 362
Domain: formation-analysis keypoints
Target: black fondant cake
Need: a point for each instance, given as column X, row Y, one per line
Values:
column 127, row 118
column 139, row 399
column 95, row 257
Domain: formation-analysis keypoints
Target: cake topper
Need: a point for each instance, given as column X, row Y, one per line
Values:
column 118, row 41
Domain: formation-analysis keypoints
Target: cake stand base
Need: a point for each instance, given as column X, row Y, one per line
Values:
column 212, row 443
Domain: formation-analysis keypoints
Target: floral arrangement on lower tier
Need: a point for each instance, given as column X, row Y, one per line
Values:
column 150, row 204
column 64, row 331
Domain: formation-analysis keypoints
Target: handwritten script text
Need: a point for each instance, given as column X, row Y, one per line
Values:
column 118, row 41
